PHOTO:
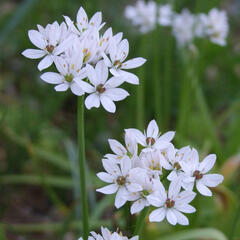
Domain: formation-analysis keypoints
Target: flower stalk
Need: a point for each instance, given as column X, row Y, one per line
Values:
column 82, row 166
column 140, row 221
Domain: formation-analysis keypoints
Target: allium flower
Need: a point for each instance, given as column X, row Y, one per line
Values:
column 196, row 171
column 118, row 54
column 69, row 76
column 102, row 90
column 152, row 138
column 217, row 26
column 165, row 15
column 52, row 41
column 171, row 204
column 183, row 27
column 140, row 176
column 143, row 15
column 120, row 151
column 118, row 177
column 107, row 235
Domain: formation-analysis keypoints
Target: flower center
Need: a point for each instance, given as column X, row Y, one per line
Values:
column 150, row 141
column 145, row 193
column 100, row 88
column 69, row 77
column 117, row 64
column 50, row 48
column 169, row 203
column 177, row 166
column 121, row 180
column 197, row 174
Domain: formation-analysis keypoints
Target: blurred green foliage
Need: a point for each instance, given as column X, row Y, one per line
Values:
column 38, row 125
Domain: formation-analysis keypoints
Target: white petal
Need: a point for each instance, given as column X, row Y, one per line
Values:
column 171, row 217
column 138, row 135
column 203, row 189
column 33, row 53
column 152, row 129
column 86, row 87
column 126, row 165
column 37, row 39
column 167, row 137
column 120, row 199
column 61, row 65
column 115, row 72
column 110, row 189
column 92, row 101
column 133, row 63
column 105, row 177
column 92, row 75
column 186, row 208
column 111, row 167
column 157, row 215
column 52, row 77
column 45, row 63
column 76, row 89
column 116, row 94
column 174, row 189
column 181, row 219
column 117, row 147
column 108, row 104
column 96, row 19
column 137, row 206
column 82, row 18
column 122, row 50
column 113, row 82
column 184, row 197
column 62, row 87
column 101, row 72
column 155, row 201
column 212, row 180
column 129, row 77
column 207, row 163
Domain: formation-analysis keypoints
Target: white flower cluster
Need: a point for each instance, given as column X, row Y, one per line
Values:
column 185, row 25
column 136, row 172
column 107, row 235
column 83, row 58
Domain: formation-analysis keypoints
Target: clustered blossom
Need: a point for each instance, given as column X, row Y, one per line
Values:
column 83, row 57
column 138, row 171
column 107, row 235
column 185, row 25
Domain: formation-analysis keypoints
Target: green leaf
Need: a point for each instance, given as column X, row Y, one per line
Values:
column 2, row 234
column 196, row 234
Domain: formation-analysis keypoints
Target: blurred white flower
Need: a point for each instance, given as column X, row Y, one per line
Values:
column 143, row 15
column 52, row 41
column 183, row 27
column 171, row 204
column 102, row 90
column 196, row 171
column 165, row 15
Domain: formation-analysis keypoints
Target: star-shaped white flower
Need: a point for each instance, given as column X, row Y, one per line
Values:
column 117, row 64
column 196, row 172
column 69, row 76
column 51, row 41
column 152, row 138
column 171, row 205
column 102, row 90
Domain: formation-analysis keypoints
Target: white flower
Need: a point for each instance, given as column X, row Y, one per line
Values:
column 82, row 23
column 165, row 15
column 183, row 27
column 107, row 235
column 102, row 90
column 69, row 76
column 118, row 53
column 196, row 171
column 143, row 15
column 217, row 26
column 152, row 138
column 52, row 41
column 118, row 177
column 148, row 185
column 171, row 204
column 120, row 151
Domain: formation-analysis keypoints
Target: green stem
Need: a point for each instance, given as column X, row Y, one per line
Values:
column 140, row 221
column 82, row 166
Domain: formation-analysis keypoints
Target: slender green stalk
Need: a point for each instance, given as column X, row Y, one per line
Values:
column 82, row 166
column 167, row 80
column 156, row 77
column 141, row 87
column 140, row 221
